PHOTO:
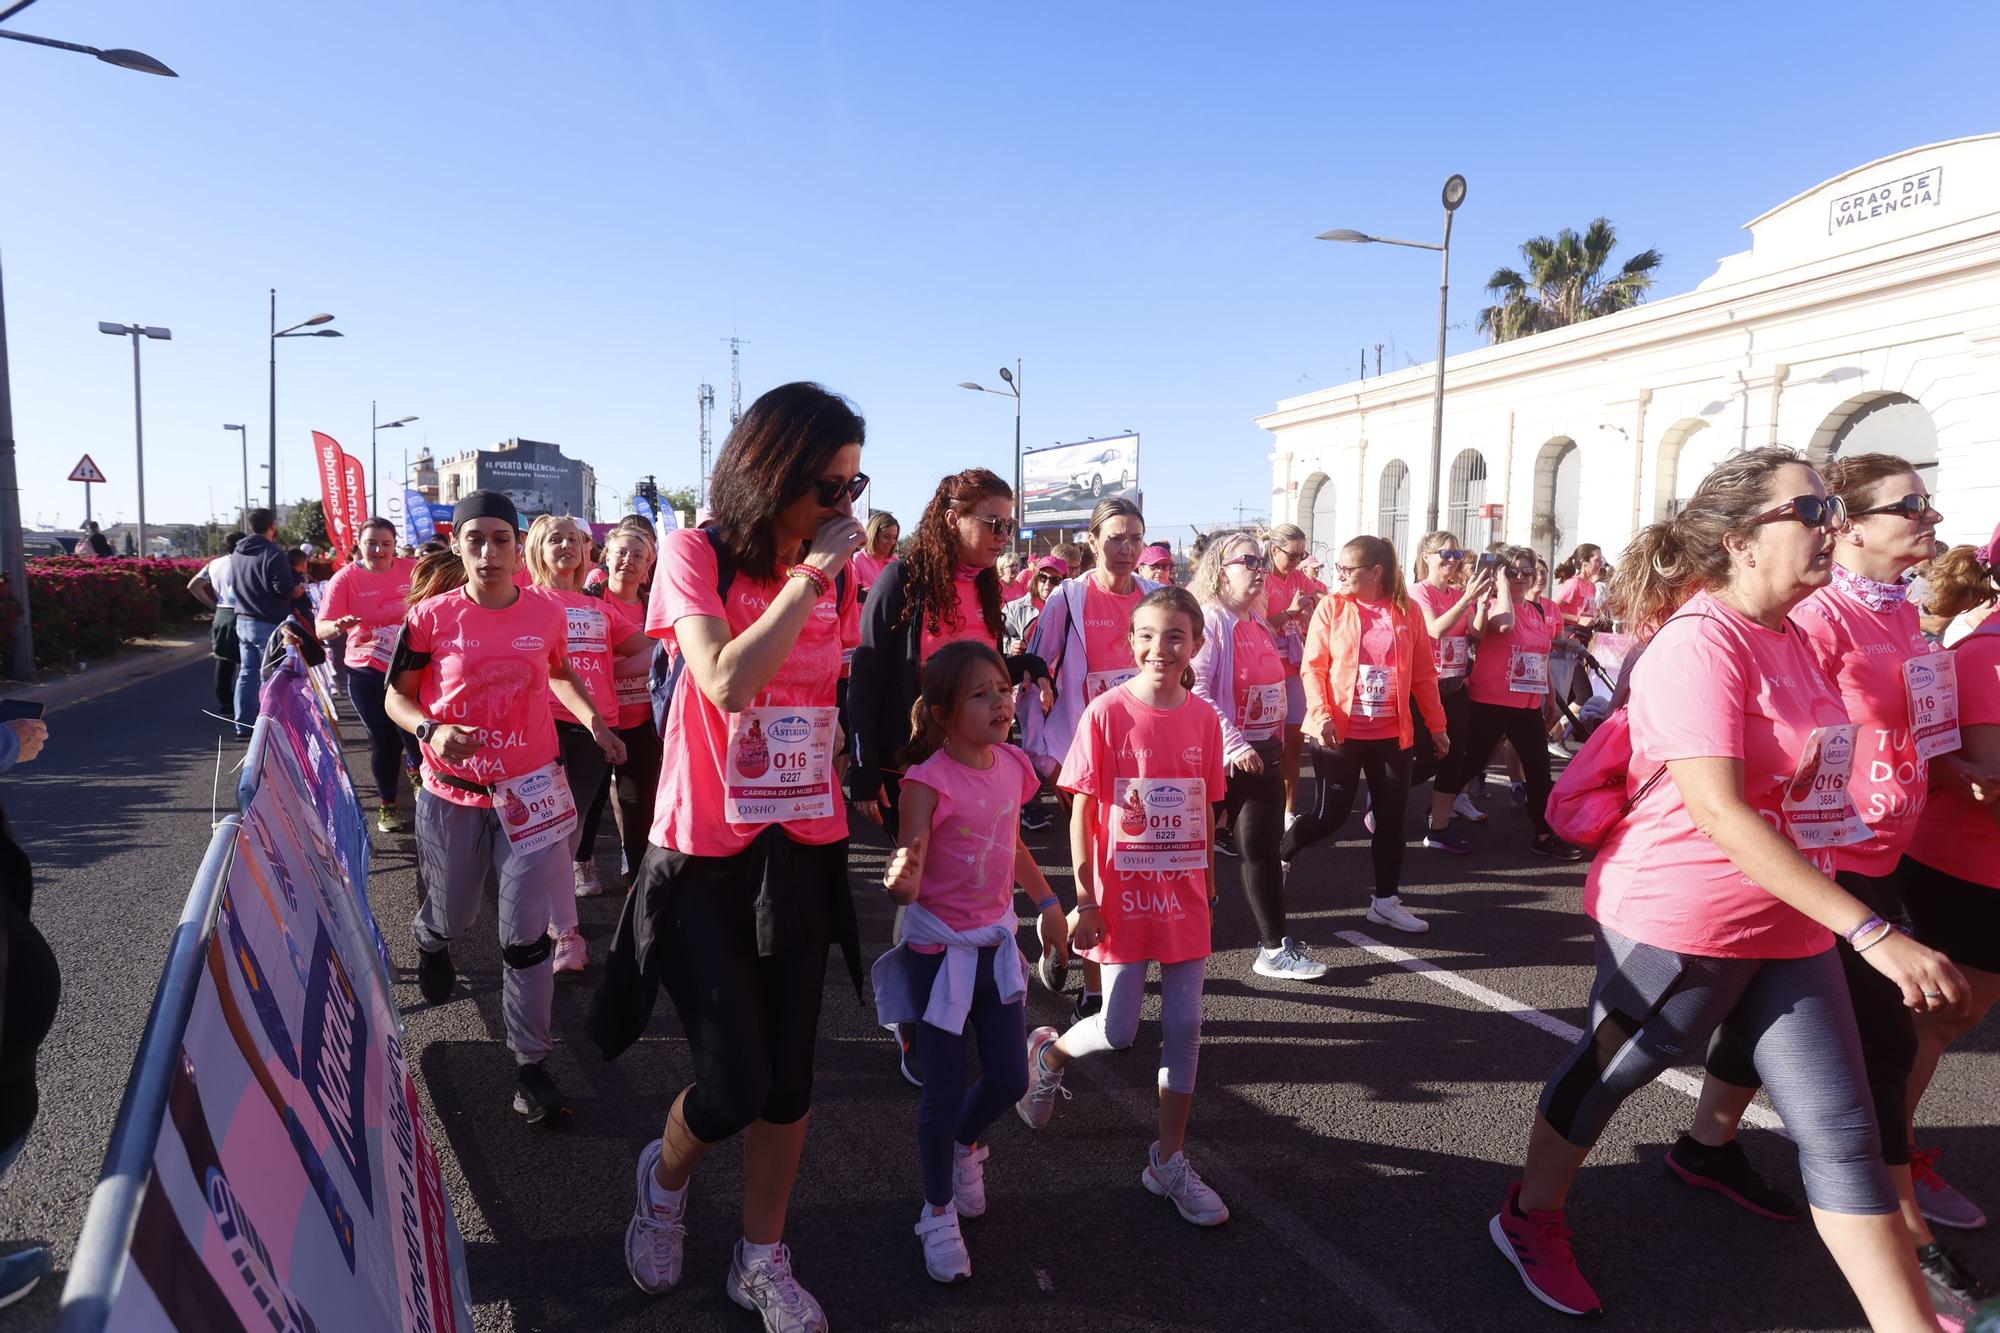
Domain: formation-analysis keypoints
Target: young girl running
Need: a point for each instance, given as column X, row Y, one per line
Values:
column 1146, row 763
column 958, row 977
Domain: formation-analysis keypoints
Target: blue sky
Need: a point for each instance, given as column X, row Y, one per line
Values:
column 541, row 220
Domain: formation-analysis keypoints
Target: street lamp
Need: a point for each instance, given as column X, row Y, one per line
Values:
column 1454, row 195
column 277, row 333
column 1013, row 390
column 138, row 331
column 117, row 55
column 243, row 436
column 374, row 470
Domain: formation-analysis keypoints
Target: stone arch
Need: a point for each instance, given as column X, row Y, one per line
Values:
column 1879, row 423
column 1666, row 465
column 1392, row 515
column 1466, row 493
column 1558, row 488
column 1317, row 500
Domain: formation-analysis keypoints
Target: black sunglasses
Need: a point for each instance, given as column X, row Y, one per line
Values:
column 830, row 493
column 1916, row 508
column 1000, row 527
column 1256, row 564
column 1449, row 555
column 1814, row 511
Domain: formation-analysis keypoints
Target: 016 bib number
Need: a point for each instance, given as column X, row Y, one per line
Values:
column 780, row 765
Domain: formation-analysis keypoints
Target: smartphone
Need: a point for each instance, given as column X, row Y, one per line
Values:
column 15, row 710
column 1488, row 562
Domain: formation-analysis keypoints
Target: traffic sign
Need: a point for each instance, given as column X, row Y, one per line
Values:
column 86, row 470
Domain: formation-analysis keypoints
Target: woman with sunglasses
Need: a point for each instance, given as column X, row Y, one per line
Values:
column 1713, row 901
column 744, row 885
column 1509, row 686
column 1447, row 597
column 1290, row 594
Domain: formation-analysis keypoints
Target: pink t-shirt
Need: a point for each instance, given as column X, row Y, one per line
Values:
column 379, row 600
column 1863, row 652
column 1576, row 596
column 1453, row 659
column 635, row 705
column 1137, row 761
column 488, row 670
column 1515, row 655
column 1375, row 715
column 971, row 619
column 969, row 864
column 866, row 569
column 1260, row 715
column 589, row 639
column 1955, row 835
column 1713, row 684
column 1107, row 635
column 1279, row 592
column 689, row 813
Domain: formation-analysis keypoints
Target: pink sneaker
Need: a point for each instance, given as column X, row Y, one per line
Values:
column 1537, row 1244
column 571, row 953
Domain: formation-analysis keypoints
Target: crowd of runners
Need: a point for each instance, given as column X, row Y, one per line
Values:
column 1787, row 785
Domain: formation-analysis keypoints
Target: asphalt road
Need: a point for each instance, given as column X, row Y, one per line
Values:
column 1362, row 1129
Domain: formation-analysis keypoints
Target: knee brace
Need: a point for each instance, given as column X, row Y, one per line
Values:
column 521, row 956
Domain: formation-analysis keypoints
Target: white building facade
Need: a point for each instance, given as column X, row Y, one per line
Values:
column 1864, row 318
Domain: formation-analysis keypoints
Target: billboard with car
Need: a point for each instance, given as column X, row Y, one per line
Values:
column 1063, row 483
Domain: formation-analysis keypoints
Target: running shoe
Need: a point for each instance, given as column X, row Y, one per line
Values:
column 587, row 883
column 1445, row 840
column 572, row 955
column 537, row 1097
column 768, row 1287
column 1175, row 1179
column 1549, row 845
column 435, row 975
column 388, row 819
column 907, row 1059
column 656, row 1237
column 1956, row 1295
column 1518, row 793
column 21, row 1271
column 1390, row 912
column 1087, row 1006
column 1038, row 1103
column 1727, row 1171
column 1034, row 818
column 1291, row 818
column 1288, row 962
column 1537, row 1244
column 1936, row 1200
column 1559, row 751
column 1225, row 842
column 1368, row 820
column 1053, row 972
column 968, row 1179
column 1463, row 808
column 945, row 1257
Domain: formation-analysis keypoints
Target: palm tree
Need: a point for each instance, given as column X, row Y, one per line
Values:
column 1565, row 283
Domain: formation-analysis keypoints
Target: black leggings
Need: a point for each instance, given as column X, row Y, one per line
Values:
column 635, row 781
column 1337, row 774
column 1888, row 1029
column 1426, row 764
column 1257, row 817
column 34, row 989
column 584, row 765
column 390, row 748
column 1521, row 726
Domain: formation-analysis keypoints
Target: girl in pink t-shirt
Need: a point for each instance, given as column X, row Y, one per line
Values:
column 958, row 976
column 1448, row 597
column 366, row 601
column 629, row 557
column 1145, row 767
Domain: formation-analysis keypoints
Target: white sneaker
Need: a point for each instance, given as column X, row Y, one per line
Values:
column 1462, row 806
column 1039, row 1102
column 1391, row 912
column 572, row 955
column 587, row 884
column 656, row 1236
column 968, row 1180
column 1288, row 962
column 944, row 1245
column 769, row 1288
column 1291, row 817
column 1175, row 1179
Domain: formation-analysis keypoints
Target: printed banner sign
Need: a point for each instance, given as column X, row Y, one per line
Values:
column 354, row 504
column 422, row 526
column 327, row 452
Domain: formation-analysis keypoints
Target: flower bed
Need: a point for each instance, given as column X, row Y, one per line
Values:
column 87, row 608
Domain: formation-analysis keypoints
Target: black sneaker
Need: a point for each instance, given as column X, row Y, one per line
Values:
column 1445, row 840
column 1225, row 842
column 537, row 1097
column 1956, row 1295
column 1053, row 971
column 1549, row 845
column 1034, row 818
column 1087, row 1004
column 1728, row 1172
column 435, row 976
column 907, row 1059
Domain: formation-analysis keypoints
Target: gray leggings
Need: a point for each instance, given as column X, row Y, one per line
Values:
column 1652, row 1009
column 1116, row 1026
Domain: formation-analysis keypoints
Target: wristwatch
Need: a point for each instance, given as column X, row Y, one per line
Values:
column 425, row 730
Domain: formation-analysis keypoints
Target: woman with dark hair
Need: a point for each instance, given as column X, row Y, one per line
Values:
column 365, row 602
column 744, row 885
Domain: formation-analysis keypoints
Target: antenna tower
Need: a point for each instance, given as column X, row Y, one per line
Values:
column 705, row 397
column 735, row 378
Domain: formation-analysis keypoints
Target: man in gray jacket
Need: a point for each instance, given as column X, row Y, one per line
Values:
column 265, row 588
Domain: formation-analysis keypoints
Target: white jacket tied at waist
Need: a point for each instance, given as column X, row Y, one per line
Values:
column 950, row 999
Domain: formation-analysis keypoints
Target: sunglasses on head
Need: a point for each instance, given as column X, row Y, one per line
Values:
column 830, row 493
column 999, row 525
column 1256, row 564
column 1916, row 508
column 1813, row 511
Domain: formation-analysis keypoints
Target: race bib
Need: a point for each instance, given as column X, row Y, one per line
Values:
column 1931, row 681
column 1097, row 682
column 1161, row 824
column 1263, row 711
column 536, row 809
column 589, row 630
column 1374, row 691
column 632, row 690
column 1454, row 655
column 1819, row 808
column 382, row 644
column 780, row 765
column 1528, row 673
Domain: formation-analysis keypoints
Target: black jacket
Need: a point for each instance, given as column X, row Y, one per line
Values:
column 265, row 584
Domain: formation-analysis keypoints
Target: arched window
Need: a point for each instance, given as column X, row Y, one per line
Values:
column 1468, row 492
column 1323, row 527
column 1392, row 522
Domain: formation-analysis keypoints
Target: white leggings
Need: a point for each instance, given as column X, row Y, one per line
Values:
column 1116, row 1026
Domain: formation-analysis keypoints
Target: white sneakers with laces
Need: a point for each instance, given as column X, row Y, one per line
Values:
column 656, row 1237
column 1462, row 806
column 587, row 883
column 572, row 955
column 1039, row 1102
column 945, row 1256
column 767, row 1286
column 1288, row 962
column 1175, row 1179
column 968, row 1179
column 1391, row 912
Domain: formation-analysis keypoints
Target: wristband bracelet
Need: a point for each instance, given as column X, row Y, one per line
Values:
column 816, row 577
column 1046, row 903
column 1088, row 907
column 1870, row 924
column 1878, row 937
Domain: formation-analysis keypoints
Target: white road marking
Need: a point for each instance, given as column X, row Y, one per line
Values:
column 1567, row 1033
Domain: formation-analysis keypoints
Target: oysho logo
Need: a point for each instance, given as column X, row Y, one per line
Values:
column 1100, row 624
column 753, row 603
column 531, row 643
column 790, row 731
column 1135, row 754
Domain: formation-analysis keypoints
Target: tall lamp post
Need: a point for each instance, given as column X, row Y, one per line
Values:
column 295, row 331
column 137, row 332
column 243, row 437
column 1454, row 195
column 374, row 469
column 1012, row 378
column 13, row 555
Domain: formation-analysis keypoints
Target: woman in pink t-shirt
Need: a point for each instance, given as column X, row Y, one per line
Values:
column 880, row 548
column 1448, row 597
column 1146, row 766
column 365, row 601
column 1290, row 594
column 1575, row 601
column 745, row 883
column 1712, row 901
column 630, row 553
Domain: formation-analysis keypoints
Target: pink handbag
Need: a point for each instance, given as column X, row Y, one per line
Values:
column 1589, row 799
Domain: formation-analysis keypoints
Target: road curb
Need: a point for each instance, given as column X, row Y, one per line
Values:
column 100, row 680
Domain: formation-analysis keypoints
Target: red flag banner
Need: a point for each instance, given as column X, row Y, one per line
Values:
column 332, row 497
column 354, row 505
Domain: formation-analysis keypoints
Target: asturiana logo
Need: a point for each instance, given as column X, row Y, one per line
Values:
column 1921, row 676
column 790, row 730
column 1166, row 798
column 531, row 643
column 1192, row 754
column 1839, row 749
